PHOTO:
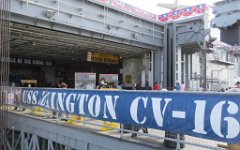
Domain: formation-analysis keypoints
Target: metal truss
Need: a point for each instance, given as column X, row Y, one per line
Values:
column 31, row 133
column 27, row 141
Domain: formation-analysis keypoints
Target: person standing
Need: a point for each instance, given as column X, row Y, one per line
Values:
column 155, row 86
column 64, row 85
column 102, row 83
column 147, row 87
column 200, row 88
column 238, row 84
column 182, row 87
column 177, row 86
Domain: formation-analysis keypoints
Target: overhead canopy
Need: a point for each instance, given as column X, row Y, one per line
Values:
column 59, row 47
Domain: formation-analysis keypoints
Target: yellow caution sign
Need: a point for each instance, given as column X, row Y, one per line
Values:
column 37, row 109
column 109, row 126
column 74, row 118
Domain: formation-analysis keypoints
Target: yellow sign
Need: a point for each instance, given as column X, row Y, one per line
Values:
column 128, row 79
column 102, row 58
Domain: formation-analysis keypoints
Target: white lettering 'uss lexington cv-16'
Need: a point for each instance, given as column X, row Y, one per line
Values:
column 104, row 105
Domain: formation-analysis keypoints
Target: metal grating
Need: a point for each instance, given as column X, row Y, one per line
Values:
column 4, row 66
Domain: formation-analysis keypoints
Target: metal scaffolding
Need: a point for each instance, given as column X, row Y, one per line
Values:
column 4, row 65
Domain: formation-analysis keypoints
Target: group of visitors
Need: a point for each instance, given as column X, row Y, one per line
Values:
column 104, row 84
column 179, row 87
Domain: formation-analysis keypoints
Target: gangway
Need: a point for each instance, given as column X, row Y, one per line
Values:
column 35, row 131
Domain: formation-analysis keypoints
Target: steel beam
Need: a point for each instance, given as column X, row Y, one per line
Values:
column 86, row 18
column 193, row 30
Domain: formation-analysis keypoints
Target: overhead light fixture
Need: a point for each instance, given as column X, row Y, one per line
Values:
column 49, row 13
column 135, row 36
column 109, row 26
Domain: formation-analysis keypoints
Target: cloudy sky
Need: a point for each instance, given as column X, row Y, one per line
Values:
column 150, row 6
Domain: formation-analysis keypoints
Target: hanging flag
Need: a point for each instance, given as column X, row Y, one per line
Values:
column 187, row 11
column 200, row 8
column 105, row 1
column 132, row 9
column 176, row 14
column 163, row 17
column 119, row 4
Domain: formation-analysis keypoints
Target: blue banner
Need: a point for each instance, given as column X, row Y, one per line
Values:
column 213, row 116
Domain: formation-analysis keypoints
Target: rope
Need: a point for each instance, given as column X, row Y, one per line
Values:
column 4, row 67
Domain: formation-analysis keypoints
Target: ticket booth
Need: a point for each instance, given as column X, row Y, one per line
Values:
column 31, row 83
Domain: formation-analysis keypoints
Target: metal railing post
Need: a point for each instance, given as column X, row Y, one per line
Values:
column 121, row 136
column 57, row 117
column 22, row 140
column 178, row 142
column 13, row 137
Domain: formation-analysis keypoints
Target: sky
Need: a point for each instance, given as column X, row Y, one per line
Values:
column 150, row 6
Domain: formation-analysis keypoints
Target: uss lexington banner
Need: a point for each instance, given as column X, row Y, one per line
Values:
column 213, row 116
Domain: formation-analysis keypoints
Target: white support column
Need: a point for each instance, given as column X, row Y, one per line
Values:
column 143, row 76
column 187, row 70
column 184, row 66
column 191, row 72
column 146, row 72
column 178, row 64
column 157, row 70
column 150, row 70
